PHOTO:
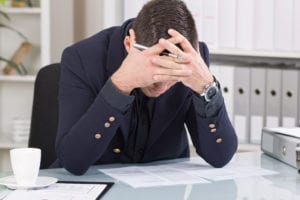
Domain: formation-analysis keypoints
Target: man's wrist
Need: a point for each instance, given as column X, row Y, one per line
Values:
column 122, row 86
column 210, row 90
column 208, row 82
column 116, row 98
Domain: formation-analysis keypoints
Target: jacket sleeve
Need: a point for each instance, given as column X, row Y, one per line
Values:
column 85, row 117
column 214, row 137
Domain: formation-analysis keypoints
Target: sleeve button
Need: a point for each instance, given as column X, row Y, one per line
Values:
column 98, row 136
column 111, row 119
column 213, row 130
column 219, row 140
column 212, row 126
column 116, row 150
column 106, row 124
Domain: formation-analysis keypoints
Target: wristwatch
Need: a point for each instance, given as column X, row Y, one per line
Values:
column 210, row 90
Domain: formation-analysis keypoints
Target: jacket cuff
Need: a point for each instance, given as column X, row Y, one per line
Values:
column 208, row 109
column 115, row 98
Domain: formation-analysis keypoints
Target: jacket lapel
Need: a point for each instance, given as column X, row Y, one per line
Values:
column 166, row 108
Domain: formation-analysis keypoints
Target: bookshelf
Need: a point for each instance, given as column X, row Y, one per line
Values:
column 45, row 27
column 252, row 53
column 21, row 10
column 250, row 41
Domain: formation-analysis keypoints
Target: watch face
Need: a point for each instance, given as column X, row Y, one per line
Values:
column 211, row 92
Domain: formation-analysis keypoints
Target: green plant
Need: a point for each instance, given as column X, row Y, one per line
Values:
column 2, row 2
column 12, row 64
column 2, row 25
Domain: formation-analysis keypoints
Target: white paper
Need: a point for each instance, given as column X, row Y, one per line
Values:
column 4, row 193
column 188, row 172
column 60, row 191
column 152, row 176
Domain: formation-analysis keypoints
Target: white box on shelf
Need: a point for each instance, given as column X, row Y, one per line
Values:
column 273, row 97
column 196, row 8
column 296, row 26
column 210, row 23
column 264, row 25
column 227, row 24
column 131, row 9
column 257, row 103
column 290, row 98
column 283, row 25
column 242, row 102
column 245, row 24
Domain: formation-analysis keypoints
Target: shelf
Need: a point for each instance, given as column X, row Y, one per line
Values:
column 16, row 78
column 21, row 10
column 268, row 54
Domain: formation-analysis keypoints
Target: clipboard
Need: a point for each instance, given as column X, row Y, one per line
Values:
column 66, row 189
column 107, row 187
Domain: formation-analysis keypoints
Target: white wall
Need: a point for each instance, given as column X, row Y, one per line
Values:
column 61, row 15
column 91, row 16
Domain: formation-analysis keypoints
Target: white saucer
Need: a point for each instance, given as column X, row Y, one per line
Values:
column 41, row 181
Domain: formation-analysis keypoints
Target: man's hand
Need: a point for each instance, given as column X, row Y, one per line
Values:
column 190, row 59
column 142, row 68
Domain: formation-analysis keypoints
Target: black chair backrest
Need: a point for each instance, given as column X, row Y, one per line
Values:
column 44, row 117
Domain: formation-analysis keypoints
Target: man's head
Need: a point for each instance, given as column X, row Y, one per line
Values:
column 153, row 22
column 157, row 16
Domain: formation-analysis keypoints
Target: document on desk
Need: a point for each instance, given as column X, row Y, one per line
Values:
column 187, row 172
column 62, row 191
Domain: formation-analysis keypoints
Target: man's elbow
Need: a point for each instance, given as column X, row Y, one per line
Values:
column 219, row 163
column 76, row 170
column 72, row 164
column 221, row 158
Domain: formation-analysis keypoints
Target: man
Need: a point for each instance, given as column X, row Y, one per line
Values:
column 120, row 104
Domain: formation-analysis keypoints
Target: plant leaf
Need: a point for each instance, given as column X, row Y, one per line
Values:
column 12, row 64
column 14, row 30
column 4, row 15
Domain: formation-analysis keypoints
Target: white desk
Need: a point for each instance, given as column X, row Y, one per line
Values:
column 283, row 186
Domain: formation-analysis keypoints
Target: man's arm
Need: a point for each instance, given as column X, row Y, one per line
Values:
column 213, row 137
column 208, row 123
column 87, row 120
column 211, row 130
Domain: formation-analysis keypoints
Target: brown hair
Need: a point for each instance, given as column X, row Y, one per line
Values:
column 157, row 16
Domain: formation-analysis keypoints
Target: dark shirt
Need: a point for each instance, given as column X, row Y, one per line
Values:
column 142, row 108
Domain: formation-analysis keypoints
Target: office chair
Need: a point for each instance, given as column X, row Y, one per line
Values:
column 44, row 118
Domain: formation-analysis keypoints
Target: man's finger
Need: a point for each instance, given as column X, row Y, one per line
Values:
column 184, row 43
column 172, row 72
column 167, row 62
column 164, row 78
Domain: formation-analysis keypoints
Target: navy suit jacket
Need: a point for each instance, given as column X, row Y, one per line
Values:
column 84, row 140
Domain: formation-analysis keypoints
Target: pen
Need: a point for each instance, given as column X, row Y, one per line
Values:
column 142, row 47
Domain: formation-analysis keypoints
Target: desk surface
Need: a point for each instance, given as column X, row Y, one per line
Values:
column 285, row 185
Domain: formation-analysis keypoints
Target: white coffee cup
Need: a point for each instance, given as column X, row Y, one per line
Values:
column 25, row 163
